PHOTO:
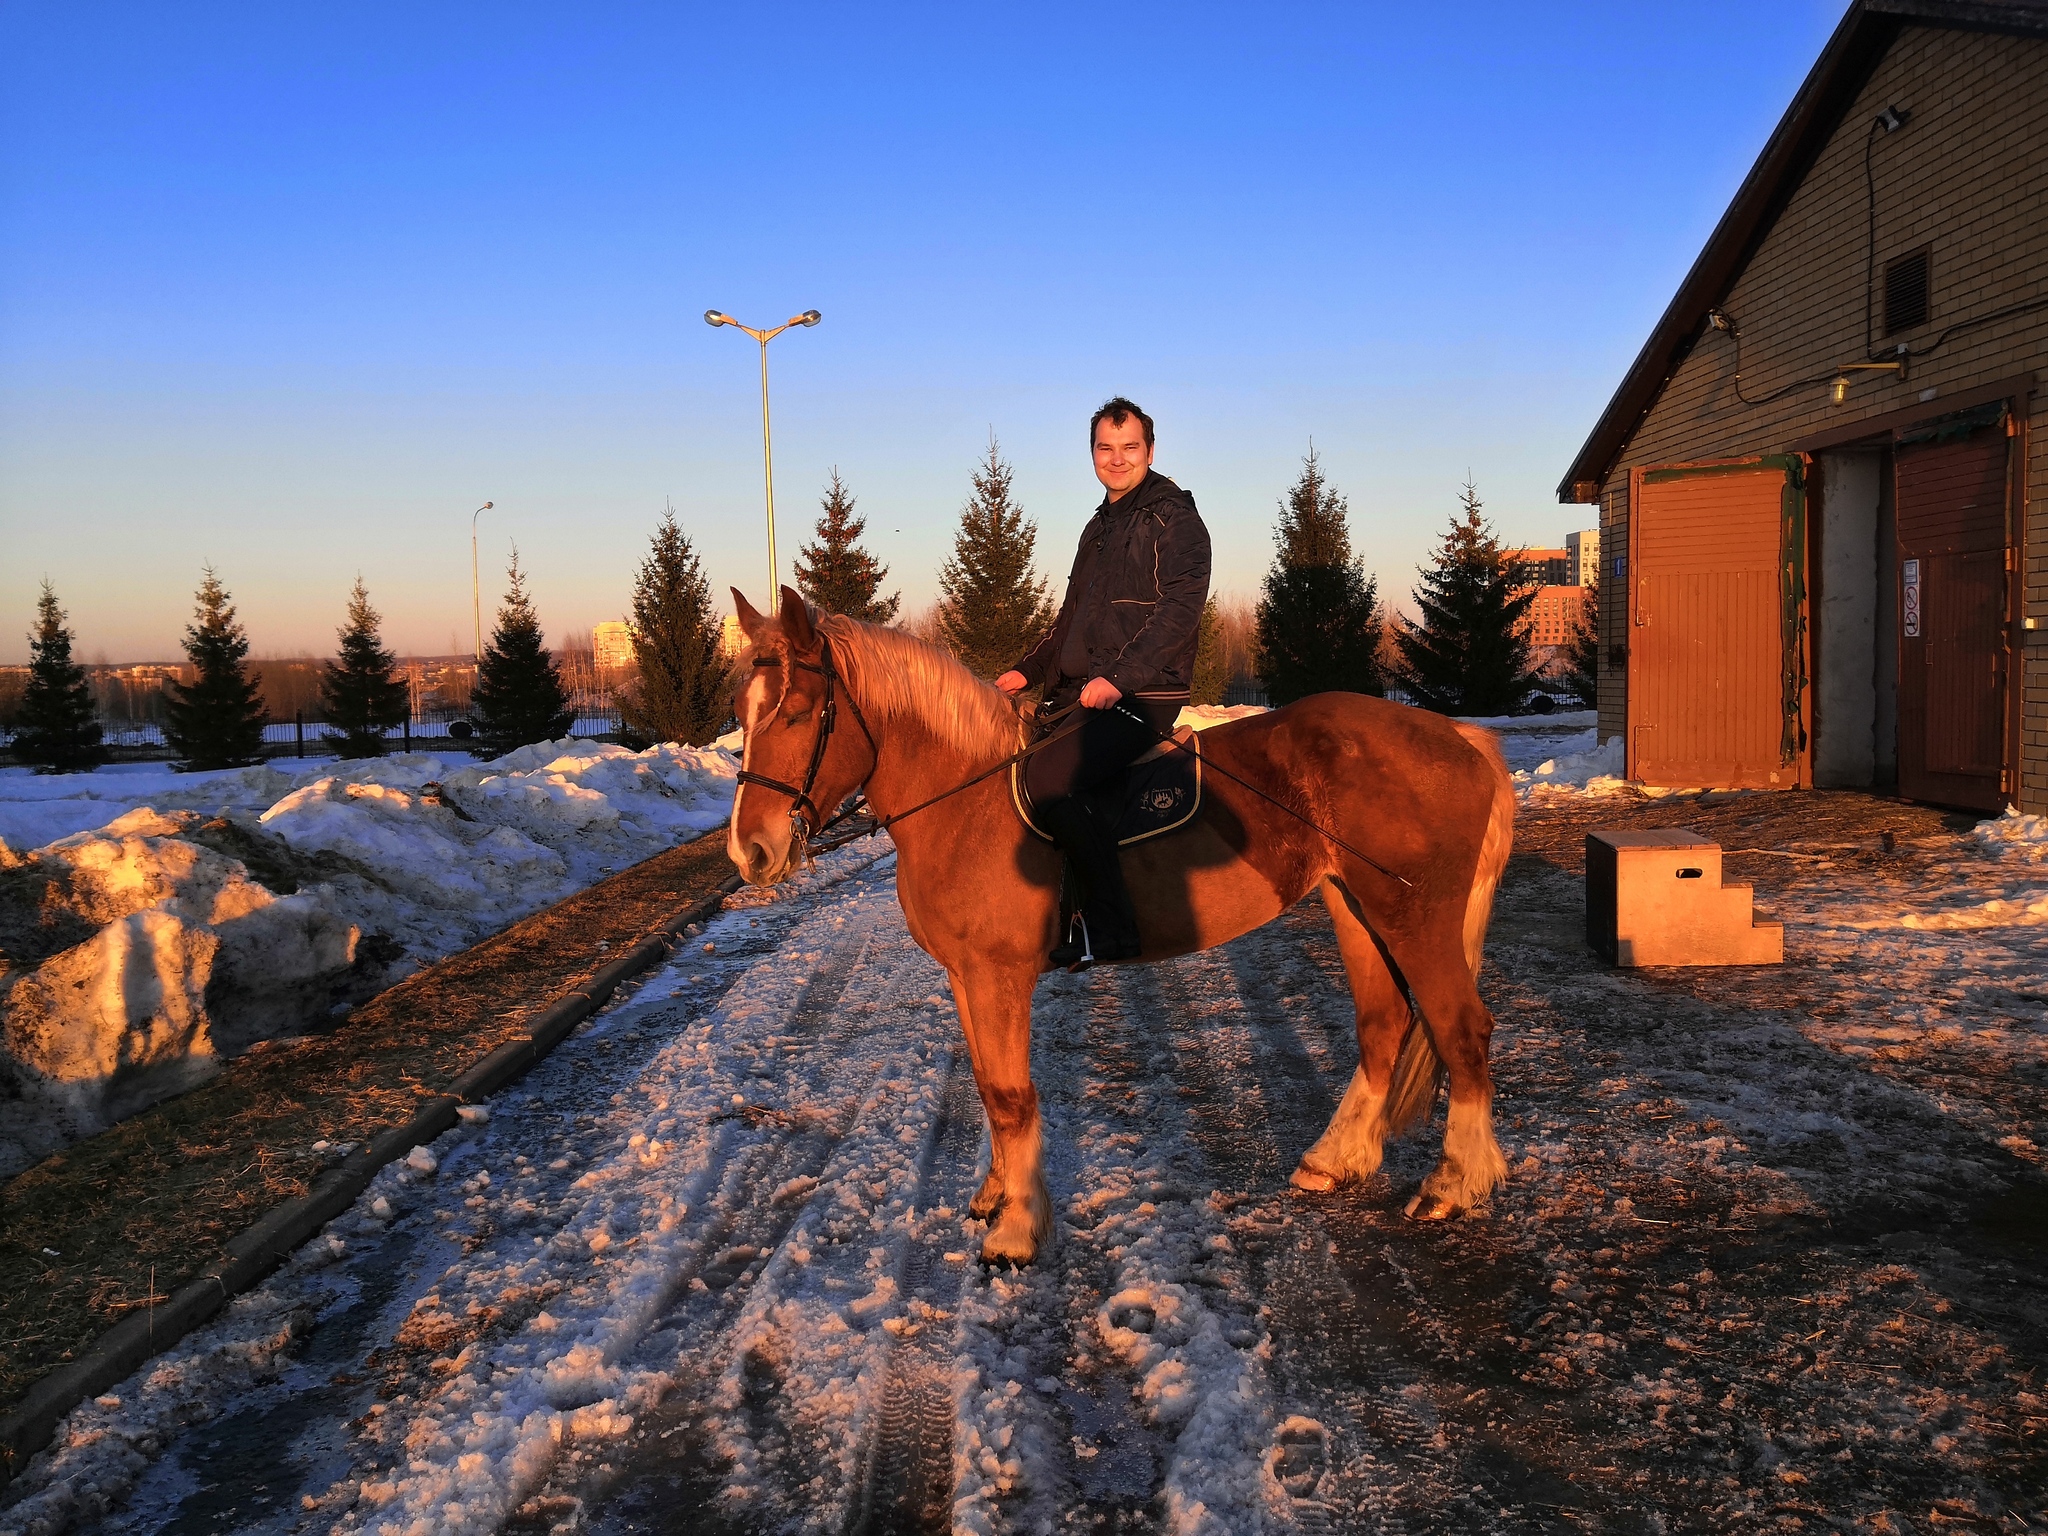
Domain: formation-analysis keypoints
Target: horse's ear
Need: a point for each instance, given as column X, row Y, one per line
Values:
column 751, row 618
column 796, row 621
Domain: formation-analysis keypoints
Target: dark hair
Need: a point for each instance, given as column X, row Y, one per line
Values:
column 1118, row 410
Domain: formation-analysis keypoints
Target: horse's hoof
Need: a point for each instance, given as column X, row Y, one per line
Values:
column 987, row 1201
column 1431, row 1208
column 1312, row 1180
column 1013, row 1248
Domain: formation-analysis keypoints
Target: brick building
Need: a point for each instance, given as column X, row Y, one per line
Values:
column 1814, row 480
column 1554, row 614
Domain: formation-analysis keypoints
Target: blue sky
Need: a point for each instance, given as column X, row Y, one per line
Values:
column 293, row 289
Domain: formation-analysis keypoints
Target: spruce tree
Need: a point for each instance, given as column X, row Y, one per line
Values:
column 835, row 572
column 518, row 696
column 1470, row 653
column 216, row 720
column 992, row 607
column 1582, row 651
column 357, row 689
column 683, row 691
column 56, row 728
column 1318, row 617
column 1212, row 664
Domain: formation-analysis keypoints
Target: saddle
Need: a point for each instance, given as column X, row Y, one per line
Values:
column 1161, row 790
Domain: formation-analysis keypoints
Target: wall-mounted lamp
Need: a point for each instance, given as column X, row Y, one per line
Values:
column 1841, row 385
column 1892, row 119
column 1721, row 320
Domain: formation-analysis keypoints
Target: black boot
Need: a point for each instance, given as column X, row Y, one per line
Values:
column 1104, row 926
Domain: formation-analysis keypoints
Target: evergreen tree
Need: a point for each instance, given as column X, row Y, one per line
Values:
column 216, row 720
column 1470, row 653
column 992, row 608
column 55, row 728
column 835, row 572
column 1212, row 665
column 518, row 696
column 357, row 691
column 1582, row 651
column 1318, row 617
column 683, row 692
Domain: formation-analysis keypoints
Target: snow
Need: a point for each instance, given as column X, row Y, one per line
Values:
column 429, row 853
column 1580, row 763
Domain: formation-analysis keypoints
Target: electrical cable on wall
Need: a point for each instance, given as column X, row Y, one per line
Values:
column 1887, row 122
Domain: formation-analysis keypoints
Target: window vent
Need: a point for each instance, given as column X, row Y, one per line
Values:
column 1905, row 293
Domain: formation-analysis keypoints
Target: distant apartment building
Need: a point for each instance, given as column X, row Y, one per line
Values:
column 1541, row 567
column 1583, row 552
column 1554, row 614
column 731, row 638
column 611, row 644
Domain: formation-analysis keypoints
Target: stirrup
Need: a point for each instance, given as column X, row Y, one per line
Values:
column 1071, row 961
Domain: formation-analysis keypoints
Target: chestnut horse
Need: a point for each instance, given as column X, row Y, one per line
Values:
column 829, row 705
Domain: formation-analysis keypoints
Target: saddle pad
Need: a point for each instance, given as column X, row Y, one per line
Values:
column 1161, row 791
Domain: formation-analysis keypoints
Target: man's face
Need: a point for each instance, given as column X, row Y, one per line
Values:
column 1121, row 454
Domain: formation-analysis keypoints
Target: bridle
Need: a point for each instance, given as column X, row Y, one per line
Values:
column 803, row 810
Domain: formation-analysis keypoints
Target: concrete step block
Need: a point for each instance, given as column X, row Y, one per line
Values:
column 1656, row 898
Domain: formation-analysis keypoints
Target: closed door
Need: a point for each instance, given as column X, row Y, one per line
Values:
column 1953, row 667
column 1708, row 644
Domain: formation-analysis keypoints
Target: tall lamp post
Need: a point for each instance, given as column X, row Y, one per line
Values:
column 715, row 319
column 476, row 602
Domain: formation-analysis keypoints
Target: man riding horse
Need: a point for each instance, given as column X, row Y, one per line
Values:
column 1115, row 668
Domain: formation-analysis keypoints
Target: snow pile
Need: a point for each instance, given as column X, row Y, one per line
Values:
column 233, row 906
column 39, row 808
column 1583, row 765
column 2015, row 835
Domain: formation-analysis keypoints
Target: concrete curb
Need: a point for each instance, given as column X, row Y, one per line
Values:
column 253, row 1253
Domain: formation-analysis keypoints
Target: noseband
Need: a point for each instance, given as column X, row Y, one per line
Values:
column 805, row 811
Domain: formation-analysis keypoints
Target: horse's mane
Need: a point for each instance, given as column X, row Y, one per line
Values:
column 897, row 676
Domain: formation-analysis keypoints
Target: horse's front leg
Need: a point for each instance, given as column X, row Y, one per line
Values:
column 995, row 1014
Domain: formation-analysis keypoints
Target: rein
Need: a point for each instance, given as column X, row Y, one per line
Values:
column 802, row 803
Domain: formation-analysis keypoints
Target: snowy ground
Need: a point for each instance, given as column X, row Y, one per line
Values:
column 1768, row 1258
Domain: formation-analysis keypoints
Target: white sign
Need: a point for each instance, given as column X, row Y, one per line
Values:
column 1911, row 569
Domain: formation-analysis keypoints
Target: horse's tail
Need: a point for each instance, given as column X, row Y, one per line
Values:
column 1494, row 850
column 1418, row 1070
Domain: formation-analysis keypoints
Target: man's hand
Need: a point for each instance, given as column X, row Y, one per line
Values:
column 1100, row 693
column 1013, row 682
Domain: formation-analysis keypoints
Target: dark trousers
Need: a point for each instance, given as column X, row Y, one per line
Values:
column 1092, row 755
column 1072, row 783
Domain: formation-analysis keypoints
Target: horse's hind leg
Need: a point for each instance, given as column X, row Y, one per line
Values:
column 995, row 1014
column 1351, row 1146
column 1461, row 1030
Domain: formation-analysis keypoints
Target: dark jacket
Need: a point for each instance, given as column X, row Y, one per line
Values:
column 1134, row 600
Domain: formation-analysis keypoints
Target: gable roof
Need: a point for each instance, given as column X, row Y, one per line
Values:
column 1863, row 38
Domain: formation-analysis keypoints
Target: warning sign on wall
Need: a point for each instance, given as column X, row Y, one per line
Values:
column 1911, row 612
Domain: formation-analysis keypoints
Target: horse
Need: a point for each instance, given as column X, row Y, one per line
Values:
column 1401, row 818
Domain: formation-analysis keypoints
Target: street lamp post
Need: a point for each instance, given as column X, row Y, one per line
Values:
column 715, row 318
column 476, row 602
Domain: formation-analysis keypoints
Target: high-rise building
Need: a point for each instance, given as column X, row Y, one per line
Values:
column 612, row 643
column 1554, row 615
column 1583, row 550
column 1540, row 567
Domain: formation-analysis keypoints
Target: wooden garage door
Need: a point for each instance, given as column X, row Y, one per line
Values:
column 1716, row 646
column 1951, row 499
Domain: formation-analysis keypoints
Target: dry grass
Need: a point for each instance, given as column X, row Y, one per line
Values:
column 97, row 1230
